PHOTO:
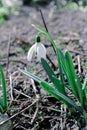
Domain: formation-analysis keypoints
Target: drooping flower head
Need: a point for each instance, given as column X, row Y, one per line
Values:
column 38, row 48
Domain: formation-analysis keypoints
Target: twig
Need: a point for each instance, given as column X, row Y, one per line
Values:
column 33, row 85
column 22, row 93
column 63, row 108
column 34, row 88
column 53, row 65
column 43, row 20
column 11, row 88
column 37, row 96
column 22, row 127
column 8, row 52
column 34, row 116
column 55, row 127
column 79, row 64
column 3, row 122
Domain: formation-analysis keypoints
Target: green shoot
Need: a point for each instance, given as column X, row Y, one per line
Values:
column 3, row 101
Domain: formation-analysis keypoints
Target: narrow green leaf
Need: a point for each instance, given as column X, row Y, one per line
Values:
column 1, row 102
column 1, row 105
column 68, row 67
column 50, row 89
column 37, row 79
column 1, row 109
column 85, row 82
column 3, row 88
column 47, row 68
column 58, row 85
column 81, row 93
column 71, row 73
column 73, row 79
column 61, row 59
column 58, row 95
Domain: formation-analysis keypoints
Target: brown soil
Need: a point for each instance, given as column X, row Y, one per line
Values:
column 67, row 26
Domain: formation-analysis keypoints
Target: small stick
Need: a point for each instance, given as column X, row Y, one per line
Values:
column 79, row 64
column 53, row 65
column 34, row 88
column 8, row 52
column 46, row 26
column 11, row 88
column 37, row 96
column 34, row 116
column 43, row 20
column 54, row 127
column 22, row 93
column 33, row 85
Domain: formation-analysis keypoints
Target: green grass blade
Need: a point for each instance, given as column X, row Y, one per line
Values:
column 68, row 67
column 1, row 109
column 52, row 76
column 48, row 69
column 85, row 82
column 58, row 95
column 1, row 102
column 81, row 93
column 50, row 90
column 71, row 73
column 58, row 85
column 3, row 88
column 37, row 79
column 61, row 59
column 1, row 105
column 73, row 79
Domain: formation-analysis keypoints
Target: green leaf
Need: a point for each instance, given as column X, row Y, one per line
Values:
column 34, row 78
column 37, row 79
column 3, row 88
column 73, row 79
column 68, row 67
column 1, row 105
column 71, row 75
column 47, row 68
column 58, row 95
column 85, row 82
column 58, row 85
column 61, row 59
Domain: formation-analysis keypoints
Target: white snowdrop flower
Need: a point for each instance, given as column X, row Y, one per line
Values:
column 39, row 49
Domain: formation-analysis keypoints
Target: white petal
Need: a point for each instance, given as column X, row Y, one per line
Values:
column 30, row 52
column 41, row 52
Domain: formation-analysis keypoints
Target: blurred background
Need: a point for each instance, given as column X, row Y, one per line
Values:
column 8, row 7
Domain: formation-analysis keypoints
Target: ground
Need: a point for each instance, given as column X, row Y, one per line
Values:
column 69, row 30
